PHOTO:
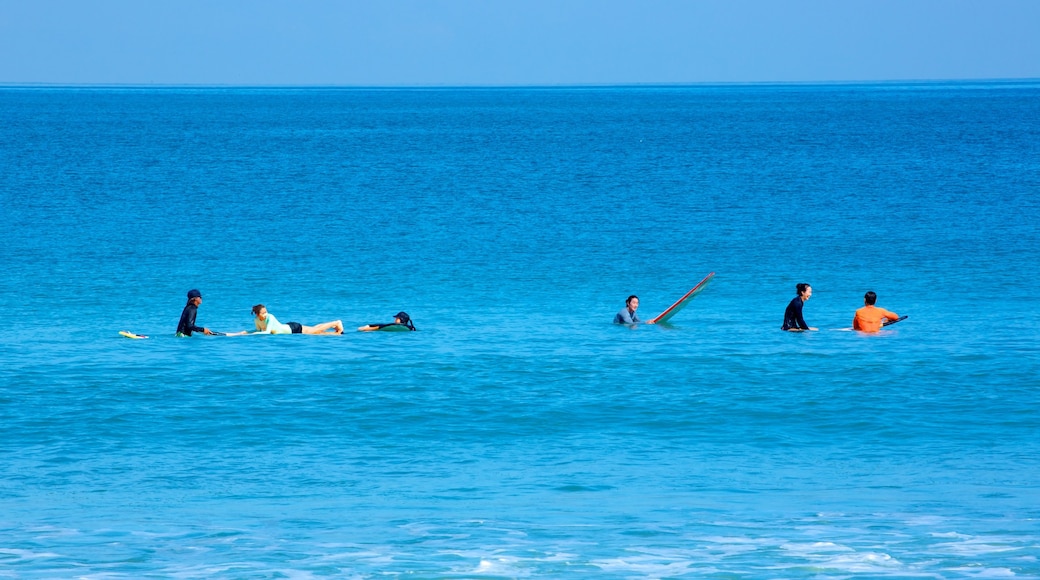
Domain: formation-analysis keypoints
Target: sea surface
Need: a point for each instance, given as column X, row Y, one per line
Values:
column 519, row 433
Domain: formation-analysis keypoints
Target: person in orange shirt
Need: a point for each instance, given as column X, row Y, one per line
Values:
column 870, row 318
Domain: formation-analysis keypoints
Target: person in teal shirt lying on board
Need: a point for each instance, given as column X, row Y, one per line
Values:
column 627, row 315
column 266, row 323
column 401, row 322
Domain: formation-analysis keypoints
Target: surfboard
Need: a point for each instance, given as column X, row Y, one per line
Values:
column 682, row 302
column 129, row 334
column 883, row 324
column 384, row 328
column 395, row 328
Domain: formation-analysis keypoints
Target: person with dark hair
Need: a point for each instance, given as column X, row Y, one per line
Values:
column 793, row 319
column 871, row 318
column 627, row 315
column 401, row 322
column 266, row 323
column 187, row 325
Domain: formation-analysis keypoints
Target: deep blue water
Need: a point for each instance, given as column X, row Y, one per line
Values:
column 519, row 433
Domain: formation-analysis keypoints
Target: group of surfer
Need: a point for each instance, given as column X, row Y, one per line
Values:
column 266, row 323
column 870, row 318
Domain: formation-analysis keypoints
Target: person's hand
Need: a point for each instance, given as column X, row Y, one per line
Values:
column 207, row 331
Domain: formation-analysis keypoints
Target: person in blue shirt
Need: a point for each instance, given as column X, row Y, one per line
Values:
column 627, row 315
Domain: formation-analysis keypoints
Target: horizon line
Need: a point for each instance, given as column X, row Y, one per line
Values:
column 923, row 81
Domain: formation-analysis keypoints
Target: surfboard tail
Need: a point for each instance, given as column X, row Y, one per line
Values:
column 681, row 303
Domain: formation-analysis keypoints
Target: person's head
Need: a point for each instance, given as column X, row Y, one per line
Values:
column 403, row 318
column 869, row 298
column 804, row 290
column 260, row 311
column 632, row 302
column 194, row 297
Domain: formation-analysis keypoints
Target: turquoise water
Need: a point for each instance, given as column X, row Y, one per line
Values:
column 519, row 433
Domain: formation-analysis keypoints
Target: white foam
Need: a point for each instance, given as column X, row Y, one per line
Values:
column 650, row 567
column 985, row 572
column 28, row 554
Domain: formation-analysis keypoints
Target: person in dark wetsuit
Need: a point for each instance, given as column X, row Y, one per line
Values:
column 793, row 319
column 187, row 325
column 401, row 319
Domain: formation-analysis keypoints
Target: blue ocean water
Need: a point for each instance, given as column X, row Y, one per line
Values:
column 519, row 433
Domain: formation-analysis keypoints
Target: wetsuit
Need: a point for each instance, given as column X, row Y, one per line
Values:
column 868, row 318
column 793, row 315
column 186, row 326
column 626, row 316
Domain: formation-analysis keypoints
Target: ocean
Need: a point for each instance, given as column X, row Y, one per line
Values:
column 519, row 433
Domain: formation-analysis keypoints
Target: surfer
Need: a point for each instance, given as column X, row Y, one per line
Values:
column 186, row 325
column 401, row 322
column 266, row 323
column 793, row 319
column 627, row 315
column 870, row 317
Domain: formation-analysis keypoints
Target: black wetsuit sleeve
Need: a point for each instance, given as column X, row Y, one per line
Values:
column 801, row 319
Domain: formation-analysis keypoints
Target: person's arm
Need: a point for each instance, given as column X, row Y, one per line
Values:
column 197, row 328
column 190, row 322
column 889, row 315
column 370, row 327
column 855, row 322
column 624, row 317
column 802, row 325
column 273, row 326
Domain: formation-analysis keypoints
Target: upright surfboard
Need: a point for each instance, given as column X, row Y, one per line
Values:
column 681, row 303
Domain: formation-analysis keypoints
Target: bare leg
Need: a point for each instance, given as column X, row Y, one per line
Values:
column 324, row 328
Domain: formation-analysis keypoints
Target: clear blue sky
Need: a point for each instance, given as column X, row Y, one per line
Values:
column 513, row 42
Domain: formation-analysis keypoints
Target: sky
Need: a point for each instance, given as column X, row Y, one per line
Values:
column 514, row 42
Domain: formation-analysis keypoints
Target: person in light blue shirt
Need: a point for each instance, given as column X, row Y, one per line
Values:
column 266, row 323
column 627, row 315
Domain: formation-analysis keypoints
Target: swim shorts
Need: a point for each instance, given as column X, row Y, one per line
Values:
column 296, row 327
